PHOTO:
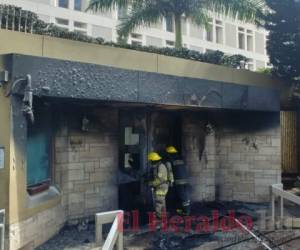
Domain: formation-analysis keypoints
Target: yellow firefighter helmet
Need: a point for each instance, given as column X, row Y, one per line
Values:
column 171, row 150
column 153, row 156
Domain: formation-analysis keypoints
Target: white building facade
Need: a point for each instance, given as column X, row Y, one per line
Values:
column 227, row 35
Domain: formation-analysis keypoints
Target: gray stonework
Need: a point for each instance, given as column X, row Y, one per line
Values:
column 248, row 164
column 199, row 153
column 37, row 229
column 86, row 164
column 241, row 157
column 229, row 157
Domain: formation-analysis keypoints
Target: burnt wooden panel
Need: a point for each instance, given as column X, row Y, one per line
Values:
column 288, row 120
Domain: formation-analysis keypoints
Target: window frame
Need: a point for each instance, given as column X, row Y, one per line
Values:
column 45, row 184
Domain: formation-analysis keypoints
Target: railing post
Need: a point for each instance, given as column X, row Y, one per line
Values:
column 281, row 207
column 115, row 235
column 120, row 233
column 98, row 231
column 273, row 207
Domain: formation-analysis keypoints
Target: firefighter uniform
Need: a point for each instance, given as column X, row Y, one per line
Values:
column 180, row 179
column 162, row 178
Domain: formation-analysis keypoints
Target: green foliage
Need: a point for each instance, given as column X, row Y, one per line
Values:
column 283, row 45
column 30, row 22
column 147, row 12
column 267, row 71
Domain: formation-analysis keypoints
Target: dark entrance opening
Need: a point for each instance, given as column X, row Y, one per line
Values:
column 142, row 131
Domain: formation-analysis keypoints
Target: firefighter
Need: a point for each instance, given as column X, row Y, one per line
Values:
column 180, row 179
column 162, row 178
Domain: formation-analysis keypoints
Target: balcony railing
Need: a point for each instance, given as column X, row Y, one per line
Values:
column 16, row 19
column 115, row 235
column 277, row 191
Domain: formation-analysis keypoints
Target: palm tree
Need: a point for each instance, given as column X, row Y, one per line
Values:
column 148, row 12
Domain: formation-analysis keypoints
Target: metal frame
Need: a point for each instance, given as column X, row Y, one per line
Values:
column 277, row 191
column 2, row 229
column 115, row 236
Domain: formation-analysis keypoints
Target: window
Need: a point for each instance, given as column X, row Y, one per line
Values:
column 169, row 23
column 136, row 43
column 122, row 13
column 60, row 21
column 249, row 40
column 241, row 38
column 184, row 25
column 63, row 3
column 170, row 44
column 250, row 65
column 210, row 32
column 39, row 149
column 83, row 32
column 78, row 5
column 80, row 25
column 219, row 32
column 136, row 36
column 136, row 39
column 245, row 39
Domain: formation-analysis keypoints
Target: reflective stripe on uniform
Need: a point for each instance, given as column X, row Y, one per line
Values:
column 178, row 162
column 157, row 182
column 181, row 182
column 161, row 192
column 186, row 203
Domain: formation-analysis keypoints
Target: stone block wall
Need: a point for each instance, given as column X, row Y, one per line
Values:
column 86, row 163
column 200, row 155
column 36, row 230
column 249, row 157
column 237, row 160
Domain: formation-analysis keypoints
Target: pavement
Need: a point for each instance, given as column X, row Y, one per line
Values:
column 71, row 238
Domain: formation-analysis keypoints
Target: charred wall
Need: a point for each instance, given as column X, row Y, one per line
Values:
column 86, row 160
column 249, row 155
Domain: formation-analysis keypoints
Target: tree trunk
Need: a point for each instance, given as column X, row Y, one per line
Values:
column 178, row 31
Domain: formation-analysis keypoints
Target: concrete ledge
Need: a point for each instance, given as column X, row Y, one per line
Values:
column 56, row 48
column 38, row 199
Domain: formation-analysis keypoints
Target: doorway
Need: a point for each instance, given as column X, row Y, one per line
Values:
column 142, row 131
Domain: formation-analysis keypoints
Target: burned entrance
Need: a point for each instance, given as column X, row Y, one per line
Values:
column 141, row 131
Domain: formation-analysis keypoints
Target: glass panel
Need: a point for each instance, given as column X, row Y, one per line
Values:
column 241, row 41
column 169, row 24
column 122, row 13
column 77, row 5
column 80, row 25
column 38, row 151
column 209, row 33
column 183, row 25
column 219, row 34
column 136, row 43
column 62, row 21
column 170, row 43
column 136, row 36
column 250, row 43
column 63, row 3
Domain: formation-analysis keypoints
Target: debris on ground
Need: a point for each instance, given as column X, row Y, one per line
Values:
column 82, row 236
